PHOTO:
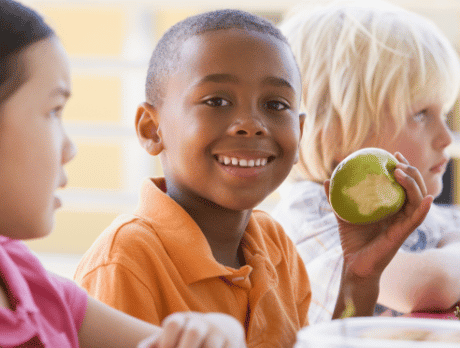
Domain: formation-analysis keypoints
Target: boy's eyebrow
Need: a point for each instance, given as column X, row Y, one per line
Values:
column 59, row 90
column 219, row 78
column 277, row 82
column 222, row 78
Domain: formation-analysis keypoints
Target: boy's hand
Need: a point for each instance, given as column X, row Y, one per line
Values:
column 198, row 330
column 368, row 249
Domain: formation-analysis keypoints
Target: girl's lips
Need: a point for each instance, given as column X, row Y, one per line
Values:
column 57, row 202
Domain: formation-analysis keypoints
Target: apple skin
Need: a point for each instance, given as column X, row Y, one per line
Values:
column 363, row 188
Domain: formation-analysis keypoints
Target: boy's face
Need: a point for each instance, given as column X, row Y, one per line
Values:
column 229, row 126
column 423, row 142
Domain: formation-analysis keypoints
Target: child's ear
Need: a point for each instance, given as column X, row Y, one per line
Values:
column 147, row 129
column 301, row 123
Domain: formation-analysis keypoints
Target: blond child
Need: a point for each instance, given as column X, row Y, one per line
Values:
column 37, row 308
column 222, row 112
column 373, row 75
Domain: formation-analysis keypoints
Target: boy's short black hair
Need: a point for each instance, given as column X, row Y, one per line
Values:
column 166, row 53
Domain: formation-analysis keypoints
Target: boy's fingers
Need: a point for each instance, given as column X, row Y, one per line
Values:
column 414, row 220
column 215, row 341
column 194, row 334
column 413, row 190
column 233, row 333
column 415, row 174
column 173, row 326
column 326, row 184
column 149, row 342
column 401, row 158
column 421, row 212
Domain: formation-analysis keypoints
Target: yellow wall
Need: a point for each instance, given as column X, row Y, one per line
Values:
column 99, row 37
column 88, row 30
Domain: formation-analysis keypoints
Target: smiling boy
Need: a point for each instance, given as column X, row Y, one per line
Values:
column 222, row 112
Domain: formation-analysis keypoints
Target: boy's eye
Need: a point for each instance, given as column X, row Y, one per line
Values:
column 276, row 105
column 216, row 102
column 420, row 116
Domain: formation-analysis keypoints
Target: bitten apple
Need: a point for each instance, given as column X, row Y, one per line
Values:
column 363, row 188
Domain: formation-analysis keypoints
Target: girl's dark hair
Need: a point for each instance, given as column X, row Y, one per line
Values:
column 20, row 27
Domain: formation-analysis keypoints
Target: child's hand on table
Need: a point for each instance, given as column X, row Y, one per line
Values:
column 196, row 330
column 368, row 249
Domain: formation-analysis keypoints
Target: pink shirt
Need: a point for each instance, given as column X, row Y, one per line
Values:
column 49, row 310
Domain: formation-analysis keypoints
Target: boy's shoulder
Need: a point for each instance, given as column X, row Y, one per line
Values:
column 272, row 232
column 120, row 243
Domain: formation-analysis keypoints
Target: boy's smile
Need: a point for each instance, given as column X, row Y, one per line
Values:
column 228, row 124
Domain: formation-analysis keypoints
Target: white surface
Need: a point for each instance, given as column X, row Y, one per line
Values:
column 347, row 332
column 61, row 264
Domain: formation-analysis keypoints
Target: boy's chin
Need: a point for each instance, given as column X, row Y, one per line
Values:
column 436, row 190
column 239, row 205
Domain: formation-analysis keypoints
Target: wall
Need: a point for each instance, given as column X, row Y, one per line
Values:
column 109, row 43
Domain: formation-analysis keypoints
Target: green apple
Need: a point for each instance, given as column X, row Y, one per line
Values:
column 363, row 188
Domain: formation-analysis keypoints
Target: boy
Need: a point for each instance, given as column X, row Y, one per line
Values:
column 388, row 81
column 223, row 94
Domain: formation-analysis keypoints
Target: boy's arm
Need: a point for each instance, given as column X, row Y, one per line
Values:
column 104, row 326
column 429, row 280
column 368, row 249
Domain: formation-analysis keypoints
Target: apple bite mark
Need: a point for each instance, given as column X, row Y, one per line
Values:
column 363, row 188
column 373, row 192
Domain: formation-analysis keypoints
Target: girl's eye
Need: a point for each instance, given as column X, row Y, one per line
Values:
column 55, row 112
column 420, row 116
column 217, row 102
column 276, row 105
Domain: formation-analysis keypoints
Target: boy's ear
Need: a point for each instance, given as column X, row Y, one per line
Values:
column 301, row 124
column 147, row 129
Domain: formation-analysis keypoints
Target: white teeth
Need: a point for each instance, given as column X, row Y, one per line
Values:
column 242, row 162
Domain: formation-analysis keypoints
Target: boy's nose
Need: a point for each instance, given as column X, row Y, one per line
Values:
column 248, row 126
column 444, row 137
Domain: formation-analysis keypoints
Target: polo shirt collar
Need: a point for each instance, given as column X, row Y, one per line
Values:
column 186, row 244
column 181, row 237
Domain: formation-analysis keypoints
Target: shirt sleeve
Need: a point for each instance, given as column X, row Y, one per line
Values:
column 76, row 298
column 121, row 290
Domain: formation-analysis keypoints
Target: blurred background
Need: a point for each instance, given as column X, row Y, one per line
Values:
column 109, row 43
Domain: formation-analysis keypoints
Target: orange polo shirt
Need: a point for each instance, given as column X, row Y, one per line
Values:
column 157, row 262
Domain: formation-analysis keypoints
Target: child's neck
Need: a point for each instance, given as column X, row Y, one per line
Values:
column 223, row 228
column 4, row 301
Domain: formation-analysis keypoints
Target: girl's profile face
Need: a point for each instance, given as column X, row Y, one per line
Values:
column 33, row 144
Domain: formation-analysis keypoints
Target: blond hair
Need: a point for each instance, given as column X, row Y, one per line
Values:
column 363, row 65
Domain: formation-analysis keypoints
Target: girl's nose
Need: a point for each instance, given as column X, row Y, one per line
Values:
column 69, row 150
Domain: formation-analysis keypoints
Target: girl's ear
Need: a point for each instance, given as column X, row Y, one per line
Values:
column 147, row 129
